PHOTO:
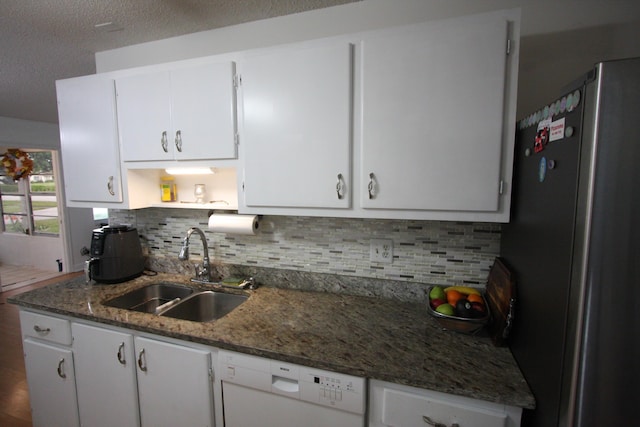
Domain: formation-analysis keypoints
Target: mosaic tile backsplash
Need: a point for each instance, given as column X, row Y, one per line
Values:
column 425, row 252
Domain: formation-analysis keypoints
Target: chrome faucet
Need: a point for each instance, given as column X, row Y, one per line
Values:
column 203, row 275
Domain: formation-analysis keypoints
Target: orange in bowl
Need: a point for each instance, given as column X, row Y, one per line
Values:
column 475, row 298
column 453, row 296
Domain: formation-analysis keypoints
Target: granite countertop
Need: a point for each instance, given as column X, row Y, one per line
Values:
column 371, row 337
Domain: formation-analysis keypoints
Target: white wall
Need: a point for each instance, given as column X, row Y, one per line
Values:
column 16, row 133
column 548, row 62
column 33, row 251
column 560, row 39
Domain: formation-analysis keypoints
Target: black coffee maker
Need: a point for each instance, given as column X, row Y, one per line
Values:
column 116, row 255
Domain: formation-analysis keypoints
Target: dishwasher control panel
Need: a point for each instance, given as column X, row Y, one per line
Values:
column 336, row 390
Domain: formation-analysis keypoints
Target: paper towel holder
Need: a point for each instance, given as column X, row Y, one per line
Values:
column 222, row 212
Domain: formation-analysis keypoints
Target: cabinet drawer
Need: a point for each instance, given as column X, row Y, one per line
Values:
column 403, row 406
column 47, row 328
column 406, row 409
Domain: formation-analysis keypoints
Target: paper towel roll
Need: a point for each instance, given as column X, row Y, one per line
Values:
column 234, row 224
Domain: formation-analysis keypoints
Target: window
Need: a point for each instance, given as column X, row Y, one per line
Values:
column 29, row 205
column 100, row 214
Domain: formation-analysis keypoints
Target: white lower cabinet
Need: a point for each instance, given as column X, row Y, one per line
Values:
column 135, row 381
column 174, row 384
column 105, row 377
column 52, row 387
column 48, row 361
column 403, row 406
column 92, row 375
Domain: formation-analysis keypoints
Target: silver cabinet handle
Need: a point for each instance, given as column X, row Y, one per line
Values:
column 41, row 330
column 121, row 358
column 179, row 141
column 436, row 424
column 61, row 373
column 110, row 186
column 371, row 188
column 164, row 142
column 141, row 362
column 340, row 187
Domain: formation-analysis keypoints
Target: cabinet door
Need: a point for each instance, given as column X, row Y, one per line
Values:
column 105, row 377
column 89, row 139
column 174, row 385
column 52, row 387
column 433, row 103
column 144, row 117
column 204, row 112
column 297, row 127
column 185, row 114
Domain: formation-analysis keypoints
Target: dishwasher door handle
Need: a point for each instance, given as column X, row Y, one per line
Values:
column 283, row 385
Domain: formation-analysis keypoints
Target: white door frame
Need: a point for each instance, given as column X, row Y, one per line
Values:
column 75, row 224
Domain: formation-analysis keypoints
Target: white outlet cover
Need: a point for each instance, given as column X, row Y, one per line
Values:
column 381, row 251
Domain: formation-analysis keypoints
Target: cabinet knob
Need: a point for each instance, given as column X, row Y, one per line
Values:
column 164, row 143
column 340, row 187
column 178, row 141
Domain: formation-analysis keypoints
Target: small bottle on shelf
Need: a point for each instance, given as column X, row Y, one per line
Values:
column 169, row 190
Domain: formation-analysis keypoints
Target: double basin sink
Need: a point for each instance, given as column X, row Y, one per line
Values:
column 179, row 302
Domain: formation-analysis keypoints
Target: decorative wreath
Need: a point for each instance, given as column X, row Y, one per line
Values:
column 17, row 164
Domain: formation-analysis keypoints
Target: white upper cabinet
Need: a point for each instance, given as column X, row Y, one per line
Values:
column 186, row 113
column 410, row 122
column 89, row 140
column 297, row 127
column 423, row 129
column 436, row 114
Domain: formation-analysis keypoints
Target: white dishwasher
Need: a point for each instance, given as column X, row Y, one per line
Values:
column 263, row 392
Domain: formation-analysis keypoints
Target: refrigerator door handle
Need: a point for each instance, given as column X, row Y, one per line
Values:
column 510, row 316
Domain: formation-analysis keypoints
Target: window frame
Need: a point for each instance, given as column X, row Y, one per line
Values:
column 26, row 194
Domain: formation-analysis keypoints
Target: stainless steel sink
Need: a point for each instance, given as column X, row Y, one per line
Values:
column 205, row 306
column 177, row 301
column 151, row 298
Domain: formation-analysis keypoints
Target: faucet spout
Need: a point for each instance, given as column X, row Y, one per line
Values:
column 184, row 250
column 205, row 274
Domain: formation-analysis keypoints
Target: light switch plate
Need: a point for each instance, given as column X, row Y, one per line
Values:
column 381, row 251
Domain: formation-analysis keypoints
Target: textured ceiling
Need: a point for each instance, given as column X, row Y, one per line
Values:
column 42, row 41
column 45, row 40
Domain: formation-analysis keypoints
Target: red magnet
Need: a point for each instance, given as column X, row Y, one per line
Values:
column 542, row 138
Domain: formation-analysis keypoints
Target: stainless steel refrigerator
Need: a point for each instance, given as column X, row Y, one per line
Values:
column 573, row 243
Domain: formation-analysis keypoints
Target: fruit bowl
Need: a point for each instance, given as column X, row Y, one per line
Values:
column 466, row 325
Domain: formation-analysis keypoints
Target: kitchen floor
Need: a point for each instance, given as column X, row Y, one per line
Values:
column 17, row 276
column 14, row 393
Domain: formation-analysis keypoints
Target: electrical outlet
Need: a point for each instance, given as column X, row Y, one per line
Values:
column 382, row 250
